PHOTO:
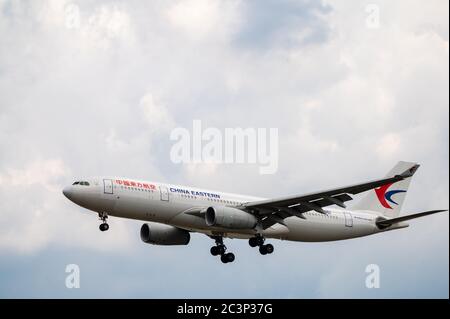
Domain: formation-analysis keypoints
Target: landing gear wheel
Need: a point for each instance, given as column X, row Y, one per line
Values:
column 266, row 249
column 253, row 242
column 221, row 249
column 260, row 240
column 229, row 257
column 104, row 227
column 224, row 258
column 263, row 250
column 215, row 250
column 269, row 248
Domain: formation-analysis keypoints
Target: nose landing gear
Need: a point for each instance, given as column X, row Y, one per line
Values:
column 104, row 225
column 220, row 249
column 258, row 240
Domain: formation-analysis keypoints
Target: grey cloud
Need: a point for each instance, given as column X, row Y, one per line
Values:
column 283, row 24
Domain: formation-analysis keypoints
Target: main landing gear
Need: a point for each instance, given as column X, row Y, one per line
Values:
column 104, row 225
column 258, row 240
column 220, row 249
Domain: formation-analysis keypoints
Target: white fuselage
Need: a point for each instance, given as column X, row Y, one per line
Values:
column 172, row 204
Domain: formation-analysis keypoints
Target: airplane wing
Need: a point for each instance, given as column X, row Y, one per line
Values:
column 275, row 210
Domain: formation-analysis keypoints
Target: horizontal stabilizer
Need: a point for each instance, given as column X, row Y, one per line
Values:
column 389, row 222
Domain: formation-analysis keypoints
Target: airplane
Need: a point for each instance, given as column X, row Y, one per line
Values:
column 172, row 212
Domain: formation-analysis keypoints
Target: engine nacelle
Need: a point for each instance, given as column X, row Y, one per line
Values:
column 229, row 217
column 160, row 234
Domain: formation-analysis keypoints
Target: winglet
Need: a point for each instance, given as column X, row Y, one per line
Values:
column 410, row 171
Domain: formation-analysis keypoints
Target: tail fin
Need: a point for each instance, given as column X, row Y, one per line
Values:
column 388, row 199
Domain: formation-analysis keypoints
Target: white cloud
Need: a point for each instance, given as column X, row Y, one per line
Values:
column 156, row 115
column 199, row 19
column 40, row 172
column 106, row 24
column 389, row 146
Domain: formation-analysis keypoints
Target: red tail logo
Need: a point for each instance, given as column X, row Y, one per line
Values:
column 384, row 197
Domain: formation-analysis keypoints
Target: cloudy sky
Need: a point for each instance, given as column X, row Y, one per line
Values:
column 95, row 88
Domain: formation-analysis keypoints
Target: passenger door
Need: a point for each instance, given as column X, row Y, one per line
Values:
column 108, row 186
column 348, row 220
column 164, row 193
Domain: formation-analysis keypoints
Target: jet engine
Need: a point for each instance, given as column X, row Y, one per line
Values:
column 229, row 217
column 160, row 234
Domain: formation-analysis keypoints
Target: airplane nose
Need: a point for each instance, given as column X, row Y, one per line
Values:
column 67, row 191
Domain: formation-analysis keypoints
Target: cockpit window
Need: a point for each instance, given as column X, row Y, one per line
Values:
column 83, row 183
